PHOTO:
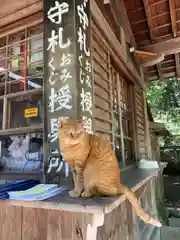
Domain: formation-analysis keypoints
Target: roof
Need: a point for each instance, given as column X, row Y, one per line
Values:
column 158, row 128
column 156, row 28
column 12, row 11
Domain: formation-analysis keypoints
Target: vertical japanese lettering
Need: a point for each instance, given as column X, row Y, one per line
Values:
column 84, row 61
column 59, row 75
column 68, row 74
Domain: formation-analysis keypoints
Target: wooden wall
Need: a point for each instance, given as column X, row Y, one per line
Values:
column 155, row 147
column 140, row 122
column 101, row 56
column 25, row 223
column 103, row 94
column 102, row 84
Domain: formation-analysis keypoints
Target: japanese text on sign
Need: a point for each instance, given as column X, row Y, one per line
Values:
column 85, row 70
column 60, row 93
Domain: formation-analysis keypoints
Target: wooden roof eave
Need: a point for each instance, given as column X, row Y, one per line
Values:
column 152, row 60
column 131, row 73
column 158, row 128
column 21, row 13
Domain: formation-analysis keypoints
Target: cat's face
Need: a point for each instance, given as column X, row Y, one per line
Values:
column 71, row 132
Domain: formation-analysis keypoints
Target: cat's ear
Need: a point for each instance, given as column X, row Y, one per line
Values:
column 80, row 124
column 61, row 122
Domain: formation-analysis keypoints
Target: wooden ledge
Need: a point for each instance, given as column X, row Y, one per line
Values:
column 152, row 60
column 102, row 205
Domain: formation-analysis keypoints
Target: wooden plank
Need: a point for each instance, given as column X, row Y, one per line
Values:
column 167, row 47
column 166, row 75
column 173, row 17
column 134, row 120
column 9, row 7
column 116, row 50
column 34, row 224
column 10, row 222
column 79, row 225
column 21, row 176
column 147, row 133
column 22, row 13
column 177, row 60
column 66, row 225
column 119, row 90
column 20, row 25
column 149, row 19
column 101, row 73
column 59, row 225
column 160, row 72
column 21, row 130
column 120, row 15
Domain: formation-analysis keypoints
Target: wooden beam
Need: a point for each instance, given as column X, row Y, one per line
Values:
column 121, row 15
column 145, row 54
column 173, row 17
column 149, row 18
column 127, row 22
column 177, row 60
column 160, row 72
column 116, row 50
column 8, row 6
column 20, row 25
column 167, row 47
column 22, row 13
column 150, row 61
column 165, row 75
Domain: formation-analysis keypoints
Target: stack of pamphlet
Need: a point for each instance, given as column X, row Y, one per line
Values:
column 16, row 186
column 38, row 192
column 3, row 195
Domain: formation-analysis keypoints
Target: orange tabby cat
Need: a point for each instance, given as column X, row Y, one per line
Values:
column 94, row 165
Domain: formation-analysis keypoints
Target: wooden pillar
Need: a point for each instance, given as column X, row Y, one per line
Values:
column 68, row 90
column 147, row 132
column 146, row 122
column 123, row 40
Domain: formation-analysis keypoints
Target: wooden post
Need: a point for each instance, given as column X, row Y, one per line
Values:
column 147, row 135
column 68, row 90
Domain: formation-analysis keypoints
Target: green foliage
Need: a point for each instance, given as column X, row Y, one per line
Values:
column 164, row 99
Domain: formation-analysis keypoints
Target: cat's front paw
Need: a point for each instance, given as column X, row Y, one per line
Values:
column 86, row 194
column 74, row 194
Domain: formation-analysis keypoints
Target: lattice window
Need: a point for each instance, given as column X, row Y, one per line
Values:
column 113, row 101
column 21, row 77
column 21, row 102
column 122, row 117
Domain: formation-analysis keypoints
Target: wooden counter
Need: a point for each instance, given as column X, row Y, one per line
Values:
column 65, row 218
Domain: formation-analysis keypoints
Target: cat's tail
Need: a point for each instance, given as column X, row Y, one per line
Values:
column 136, row 204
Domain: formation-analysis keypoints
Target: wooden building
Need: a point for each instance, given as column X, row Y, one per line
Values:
column 114, row 107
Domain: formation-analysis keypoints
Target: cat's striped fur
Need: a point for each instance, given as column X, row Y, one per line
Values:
column 95, row 167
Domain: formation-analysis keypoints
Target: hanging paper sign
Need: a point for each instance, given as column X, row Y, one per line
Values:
column 31, row 112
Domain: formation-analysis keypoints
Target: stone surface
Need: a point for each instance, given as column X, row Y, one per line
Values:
column 170, row 233
column 166, row 233
column 174, row 222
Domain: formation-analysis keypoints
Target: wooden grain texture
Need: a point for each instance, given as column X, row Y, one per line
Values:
column 34, row 224
column 67, row 225
column 10, row 222
column 41, row 224
column 101, row 77
column 115, row 225
column 140, row 123
column 22, row 220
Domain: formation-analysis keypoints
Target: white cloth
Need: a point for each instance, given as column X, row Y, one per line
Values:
column 18, row 150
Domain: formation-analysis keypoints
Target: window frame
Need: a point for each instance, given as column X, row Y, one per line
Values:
column 8, row 57
column 117, row 83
